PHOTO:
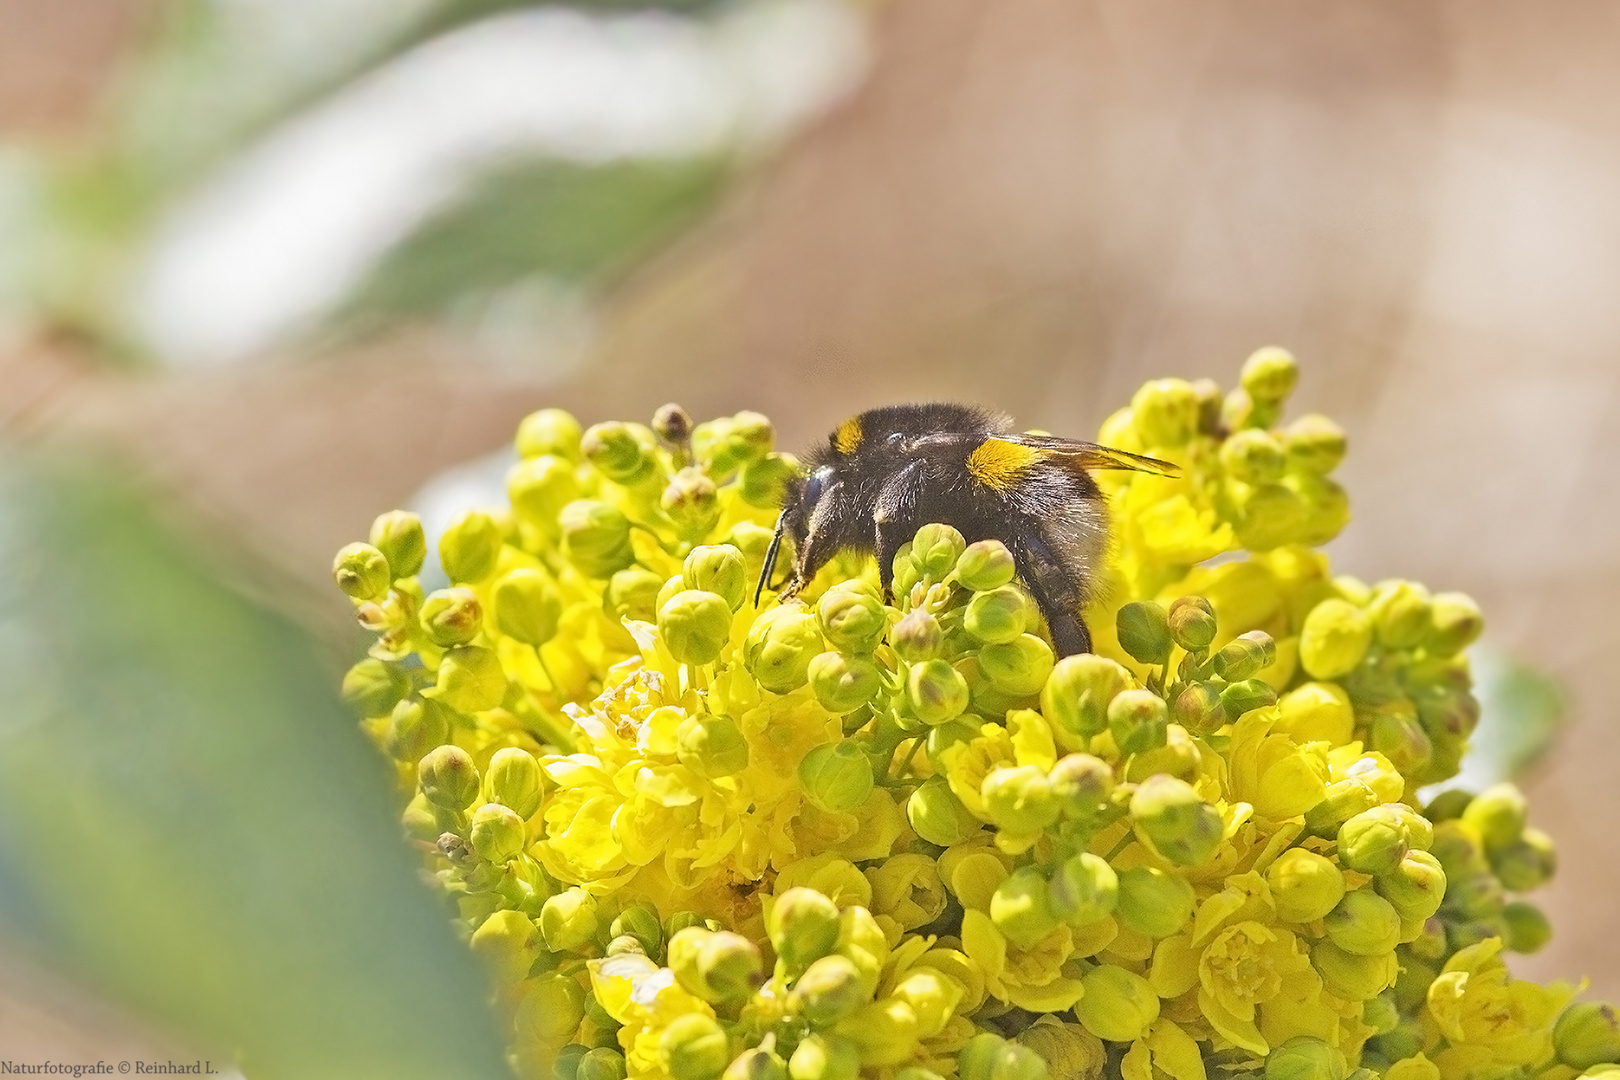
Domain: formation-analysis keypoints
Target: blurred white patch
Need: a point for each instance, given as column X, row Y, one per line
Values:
column 293, row 224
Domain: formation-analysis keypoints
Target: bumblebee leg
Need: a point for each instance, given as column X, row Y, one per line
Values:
column 894, row 517
column 821, row 542
column 1054, row 591
column 770, row 557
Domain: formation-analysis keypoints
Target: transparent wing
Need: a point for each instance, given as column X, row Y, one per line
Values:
column 1087, row 455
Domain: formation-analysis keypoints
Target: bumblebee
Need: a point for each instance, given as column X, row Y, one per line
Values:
column 887, row 472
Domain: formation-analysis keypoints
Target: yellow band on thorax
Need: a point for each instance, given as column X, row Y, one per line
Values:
column 847, row 439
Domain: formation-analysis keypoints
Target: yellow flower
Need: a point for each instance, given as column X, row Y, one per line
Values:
column 1272, row 772
column 1030, row 978
column 1166, row 1049
column 1487, row 1017
column 645, row 998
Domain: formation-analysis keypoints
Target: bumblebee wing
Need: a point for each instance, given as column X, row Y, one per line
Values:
column 1087, row 455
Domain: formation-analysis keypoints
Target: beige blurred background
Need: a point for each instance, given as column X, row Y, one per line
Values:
column 1035, row 204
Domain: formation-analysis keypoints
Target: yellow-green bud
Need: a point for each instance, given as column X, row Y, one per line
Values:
column 1314, row 444
column 513, row 780
column 1191, row 620
column 448, row 778
column 988, row 1056
column 1165, row 412
column 719, row 569
column 853, row 620
column 1019, row 799
column 1118, row 1005
column 1587, row 1034
column 1345, row 799
column 695, row 626
column 1081, row 782
column 602, row 1063
column 549, row 431
column 1353, row 977
column 1138, row 720
column 1269, row 374
column 1245, row 656
column 692, row 503
column 551, row 1010
column 1327, row 507
column 1078, row 692
column 508, row 943
column 640, row 923
column 621, row 452
column 781, row 643
column 1254, row 456
column 763, row 482
column 1498, row 813
column 540, row 487
column 830, row 989
column 985, row 565
column 1242, row 697
column 1415, row 887
column 1393, row 730
column 1021, row 909
column 673, row 426
column 1317, row 712
column 1181, row 826
column 843, row 684
column 1459, row 849
column 694, row 1047
column 1400, row 614
column 1199, row 708
column 1083, row 889
column 1305, row 1058
column 398, row 535
column 711, row 746
column 415, row 727
column 1144, row 632
column 757, row 1063
column 632, row 593
column 917, row 637
column 596, row 538
column 1473, row 895
column 565, row 1066
column 373, row 687
column 1448, row 805
column 681, row 920
column 568, row 920
column 917, row 1072
column 527, row 607
column 1527, row 928
column 497, row 833
column 1304, row 885
column 1334, row 639
column 726, row 966
column 1454, row 623
column 1374, row 841
column 451, row 616
column 935, row 550
column 469, row 547
column 361, row 571
column 936, row 691
column 1020, row 666
column 1527, row 863
column 938, row 816
column 470, row 679
column 998, row 616
column 825, row 1057
column 1154, row 902
column 836, row 777
column 1364, row 924
column 803, row 927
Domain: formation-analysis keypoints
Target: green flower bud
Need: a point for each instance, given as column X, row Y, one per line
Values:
column 1393, row 730
column 448, row 778
column 1117, row 1006
column 469, row 547
column 763, row 482
column 781, row 643
column 1273, row 515
column 935, row 550
column 917, row 1072
column 549, row 431
column 540, row 487
column 936, row 691
column 451, row 616
column 1381, row 1013
column 361, row 571
column 513, row 780
column 985, row 565
column 988, row 1056
column 621, row 452
column 938, row 816
column 1459, row 849
column 1353, row 977
column 844, row 683
column 1527, row 863
column 1020, row 667
column 508, row 943
column 854, row 621
column 1415, row 887
column 1019, row 799
column 632, row 593
column 639, row 922
column 1454, row 623
column 1254, row 456
column 692, row 503
column 1304, row 885
column 1200, row 709
column 1430, row 944
column 398, row 535
column 1334, row 639
column 1246, row 696
column 803, row 927
column 470, row 679
column 694, row 1047
column 1527, row 928
column 998, row 616
column 1473, row 895
column 1081, row 783
column 1138, row 720
column 595, row 538
column 1305, row 1058
column 1021, row 909
column 830, row 989
column 695, row 626
column 1144, row 632
column 917, row 637
column 717, row 966
column 527, row 607
column 565, row 1066
column 1153, row 902
column 1327, row 506
column 1078, row 692
column 680, row 921
column 1498, row 813
column 757, row 1064
column 1269, row 374
column 1364, row 924
column 1314, row 444
column 673, row 426
column 415, row 728
column 1181, row 827
column 602, row 1063
column 711, row 746
column 1191, row 621
column 1586, row 1034
column 551, row 1010
column 1245, row 656
column 836, row 777
column 718, row 569
column 1374, row 841
column 825, row 1057
column 1165, row 412
column 568, row 920
column 1448, row 805
column 1345, row 799
column 373, row 687
column 1400, row 614
column 1083, row 889
column 497, row 833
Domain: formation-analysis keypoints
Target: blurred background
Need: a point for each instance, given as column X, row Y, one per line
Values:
column 294, row 262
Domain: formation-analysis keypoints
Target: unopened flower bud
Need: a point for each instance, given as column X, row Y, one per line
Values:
column 1587, row 1034
column 1254, row 456
column 1364, row 924
column 936, row 691
column 692, row 503
column 1020, row 667
column 641, row 923
column 998, row 616
column 917, row 637
column 508, row 943
column 1144, row 632
column 373, row 687
column 1244, row 697
column 1454, row 623
column 803, row 927
column 694, row 1047
column 1021, row 908
column 451, row 616
column 757, row 1063
column 1527, row 863
column 853, row 620
column 764, row 481
column 1305, row 1057
column 1181, row 826
column 935, row 550
column 673, row 426
column 1199, row 708
column 398, row 535
column 1081, row 782
column 513, row 780
column 470, row 679
column 938, row 816
column 1351, row 976
column 415, row 728
column 711, row 746
column 1498, row 813
column 1304, row 885
column 361, row 571
column 548, row 431
column 1415, row 887
column 1191, row 620
column 448, row 778
column 632, row 593
column 985, row 565
column 917, row 1072
column 1083, row 889
column 1078, row 692
column 621, row 452
column 1314, row 444
column 1374, row 841
column 719, row 569
column 1273, row 515
column 469, row 547
column 1400, row 614
column 552, row 1008
column 830, row 989
column 1334, row 639
column 1393, row 730
column 568, row 920
column 990, row 1057
column 1269, row 374
column 596, row 538
column 527, row 607
column 540, row 487
column 1019, row 799
column 727, row 966
column 836, row 777
column 602, row 1063
column 1527, row 927
column 1165, row 412
column 1153, row 902
column 695, row 625
column 565, row 1066
column 781, row 643
column 497, row 833
column 1245, row 656
column 1118, row 1005
column 843, row 684
column 824, row 1057
column 1138, row 720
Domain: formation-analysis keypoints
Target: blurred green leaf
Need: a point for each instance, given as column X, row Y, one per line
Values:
column 192, row 823
column 1521, row 710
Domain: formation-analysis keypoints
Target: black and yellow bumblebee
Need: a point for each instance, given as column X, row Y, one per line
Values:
column 887, row 472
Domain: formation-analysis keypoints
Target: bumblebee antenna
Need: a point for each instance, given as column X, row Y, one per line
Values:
column 770, row 558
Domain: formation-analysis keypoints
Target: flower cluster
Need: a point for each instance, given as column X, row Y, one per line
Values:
column 852, row 835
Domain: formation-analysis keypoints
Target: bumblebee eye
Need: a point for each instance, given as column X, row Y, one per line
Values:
column 814, row 486
column 896, row 441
